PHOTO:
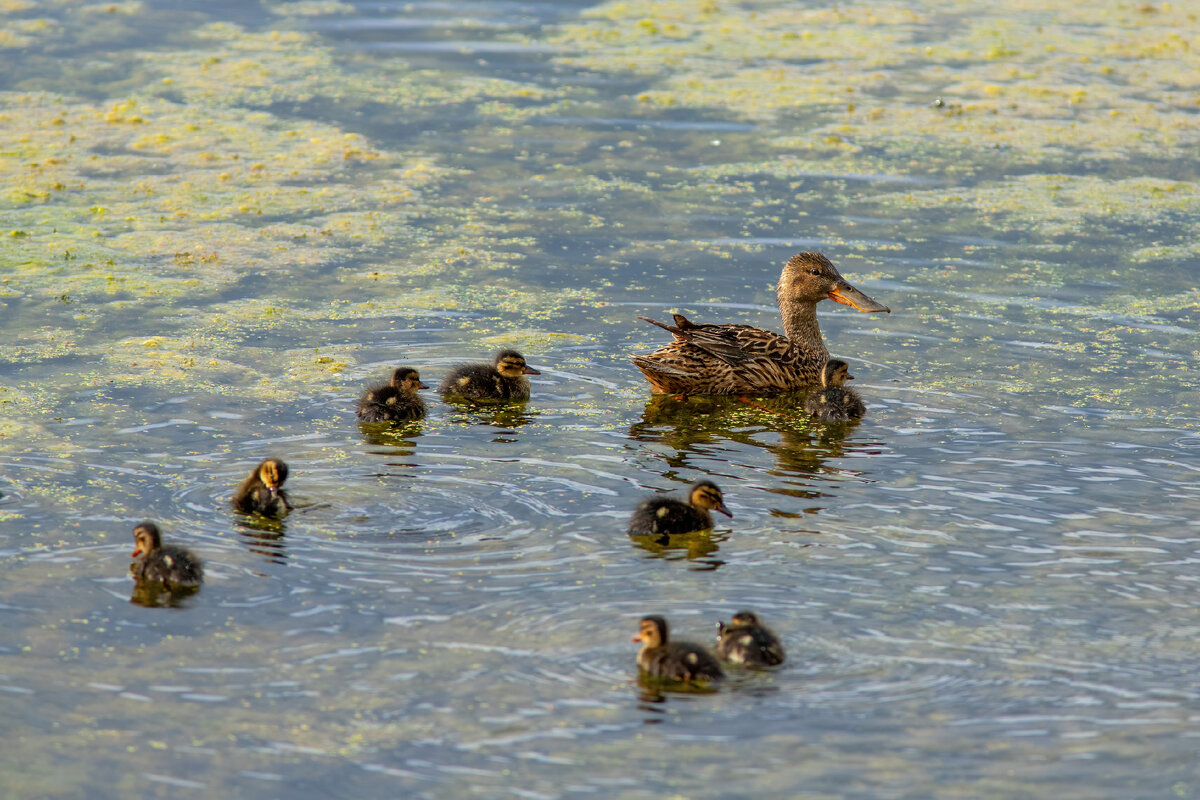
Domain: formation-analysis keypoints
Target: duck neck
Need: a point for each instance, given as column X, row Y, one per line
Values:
column 801, row 328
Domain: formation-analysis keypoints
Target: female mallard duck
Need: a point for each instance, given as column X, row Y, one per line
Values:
column 175, row 567
column 836, row 402
column 262, row 492
column 395, row 401
column 740, row 359
column 673, row 661
column 665, row 515
column 503, row 380
column 748, row 642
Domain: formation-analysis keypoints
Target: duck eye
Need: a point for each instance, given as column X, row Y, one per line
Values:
column 815, row 272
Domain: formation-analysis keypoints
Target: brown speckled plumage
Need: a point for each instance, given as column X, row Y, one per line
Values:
column 740, row 359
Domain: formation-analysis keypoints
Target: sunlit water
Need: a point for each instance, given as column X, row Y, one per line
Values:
column 989, row 587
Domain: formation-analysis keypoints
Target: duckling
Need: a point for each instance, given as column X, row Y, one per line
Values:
column 747, row 641
column 262, row 492
column 504, row 380
column 395, row 401
column 835, row 402
column 674, row 661
column 740, row 359
column 176, row 567
column 665, row 515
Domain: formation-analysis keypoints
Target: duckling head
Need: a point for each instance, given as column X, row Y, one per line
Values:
column 407, row 379
column 744, row 618
column 706, row 495
column 811, row 278
column 273, row 472
column 147, row 538
column 836, row 373
column 511, row 364
column 652, row 631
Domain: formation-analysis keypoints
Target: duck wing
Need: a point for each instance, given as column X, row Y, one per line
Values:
column 733, row 344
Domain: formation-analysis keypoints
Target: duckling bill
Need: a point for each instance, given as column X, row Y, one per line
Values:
column 836, row 402
column 173, row 566
column 663, row 516
column 501, row 381
column 395, row 401
column 262, row 492
column 748, row 642
column 664, row 659
column 743, row 360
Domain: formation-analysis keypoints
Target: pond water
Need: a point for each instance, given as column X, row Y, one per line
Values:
column 222, row 220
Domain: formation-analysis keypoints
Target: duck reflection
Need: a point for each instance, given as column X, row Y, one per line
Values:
column 508, row 416
column 265, row 537
column 698, row 548
column 801, row 446
column 398, row 438
column 155, row 594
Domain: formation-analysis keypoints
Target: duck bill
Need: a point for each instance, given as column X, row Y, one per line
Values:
column 847, row 295
column 422, row 385
column 637, row 638
column 723, row 510
column 136, row 553
column 531, row 371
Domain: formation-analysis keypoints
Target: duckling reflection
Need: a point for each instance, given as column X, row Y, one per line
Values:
column 510, row 416
column 699, row 548
column 397, row 440
column 264, row 536
column 262, row 492
column 835, row 402
column 164, row 574
column 662, row 659
column 748, row 642
column 801, row 447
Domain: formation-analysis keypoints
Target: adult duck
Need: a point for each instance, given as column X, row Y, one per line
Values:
column 740, row 359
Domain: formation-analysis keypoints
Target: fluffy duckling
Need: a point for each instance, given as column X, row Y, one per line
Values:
column 262, row 492
column 748, row 642
column 395, row 401
column 503, row 380
column 176, row 567
column 666, row 515
column 673, row 661
column 835, row 402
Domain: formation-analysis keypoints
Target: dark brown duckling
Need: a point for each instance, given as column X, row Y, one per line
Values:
column 395, row 401
column 835, row 402
column 502, row 381
column 666, row 515
column 175, row 567
column 674, row 661
column 748, row 642
column 262, row 492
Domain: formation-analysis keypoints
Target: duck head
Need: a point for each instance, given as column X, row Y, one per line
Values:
column 811, row 278
column 706, row 495
column 511, row 364
column 273, row 472
column 407, row 379
column 836, row 373
column 652, row 632
column 147, row 539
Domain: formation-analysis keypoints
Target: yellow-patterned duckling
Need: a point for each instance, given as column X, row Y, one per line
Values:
column 173, row 566
column 665, row 515
column 262, row 492
column 748, row 642
column 395, row 401
column 836, row 402
column 673, row 661
column 501, row 381
column 740, row 359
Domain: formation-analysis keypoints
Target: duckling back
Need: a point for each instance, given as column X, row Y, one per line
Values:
column 386, row 403
column 171, row 565
column 749, row 644
column 484, row 382
column 680, row 661
column 663, row 516
column 835, row 404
